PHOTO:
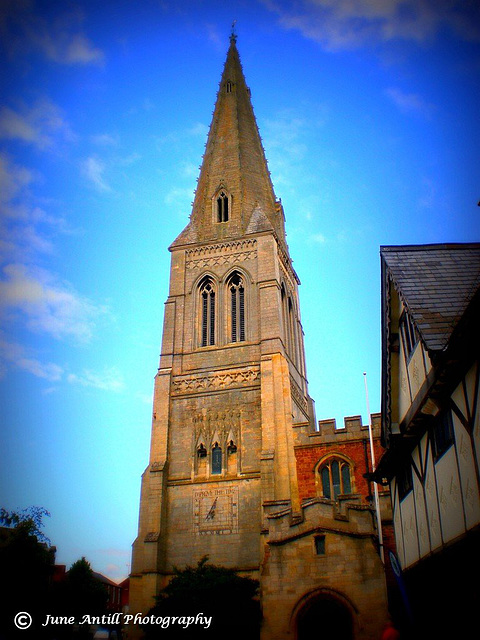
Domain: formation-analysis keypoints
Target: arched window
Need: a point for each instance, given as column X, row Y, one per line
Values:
column 237, row 308
column 207, row 304
column 229, row 86
column 335, row 478
column 216, row 459
column 222, row 207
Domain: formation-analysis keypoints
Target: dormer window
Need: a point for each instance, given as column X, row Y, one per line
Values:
column 228, row 87
column 222, row 207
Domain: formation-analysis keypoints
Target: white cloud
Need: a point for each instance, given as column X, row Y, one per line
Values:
column 13, row 180
column 14, row 354
column 47, row 305
column 197, row 130
column 409, row 103
column 94, row 170
column 108, row 380
column 285, row 142
column 58, row 38
column 41, row 124
column 179, row 196
column 106, row 139
column 347, row 24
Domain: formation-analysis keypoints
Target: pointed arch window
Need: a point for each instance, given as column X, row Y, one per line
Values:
column 207, row 303
column 335, row 475
column 216, row 459
column 222, row 207
column 237, row 307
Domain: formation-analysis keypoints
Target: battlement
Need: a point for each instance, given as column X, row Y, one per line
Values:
column 328, row 431
column 347, row 517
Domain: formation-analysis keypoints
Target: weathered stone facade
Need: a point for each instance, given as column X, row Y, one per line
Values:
column 231, row 407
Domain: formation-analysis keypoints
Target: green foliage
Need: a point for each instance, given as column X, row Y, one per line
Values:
column 83, row 592
column 231, row 601
column 28, row 521
column 27, row 562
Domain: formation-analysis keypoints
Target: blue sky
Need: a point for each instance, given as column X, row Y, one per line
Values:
column 368, row 112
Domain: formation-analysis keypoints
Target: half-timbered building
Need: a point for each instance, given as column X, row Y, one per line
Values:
column 431, row 429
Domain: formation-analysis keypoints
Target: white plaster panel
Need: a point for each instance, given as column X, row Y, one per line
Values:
column 404, row 400
column 476, row 430
column 410, row 538
column 459, row 398
column 432, row 503
column 470, row 379
column 420, row 508
column 422, row 447
column 416, row 370
column 397, row 523
column 427, row 361
column 469, row 488
column 449, row 496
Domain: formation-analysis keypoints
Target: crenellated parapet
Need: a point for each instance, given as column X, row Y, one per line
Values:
column 319, row 515
column 328, row 432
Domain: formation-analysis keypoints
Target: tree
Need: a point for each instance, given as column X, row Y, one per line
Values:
column 84, row 593
column 206, row 589
column 27, row 560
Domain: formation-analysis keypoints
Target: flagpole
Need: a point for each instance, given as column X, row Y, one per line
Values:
column 375, row 487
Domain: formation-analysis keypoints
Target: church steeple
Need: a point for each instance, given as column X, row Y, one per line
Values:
column 234, row 194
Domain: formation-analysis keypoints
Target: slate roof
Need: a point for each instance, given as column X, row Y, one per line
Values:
column 436, row 283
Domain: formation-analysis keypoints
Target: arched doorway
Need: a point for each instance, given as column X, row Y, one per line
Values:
column 324, row 615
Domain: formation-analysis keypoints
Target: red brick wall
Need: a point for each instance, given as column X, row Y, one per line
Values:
column 308, row 457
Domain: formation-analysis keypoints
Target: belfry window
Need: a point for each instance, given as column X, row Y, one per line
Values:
column 216, row 459
column 335, row 478
column 237, row 308
column 207, row 301
column 222, row 207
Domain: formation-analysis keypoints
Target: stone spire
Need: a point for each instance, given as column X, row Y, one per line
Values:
column 234, row 166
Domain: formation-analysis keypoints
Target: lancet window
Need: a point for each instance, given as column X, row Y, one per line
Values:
column 216, row 459
column 207, row 311
column 222, row 207
column 237, row 307
column 288, row 317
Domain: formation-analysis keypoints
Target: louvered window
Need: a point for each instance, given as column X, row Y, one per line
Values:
column 237, row 308
column 208, row 313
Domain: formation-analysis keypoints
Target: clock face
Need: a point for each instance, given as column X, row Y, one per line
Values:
column 215, row 511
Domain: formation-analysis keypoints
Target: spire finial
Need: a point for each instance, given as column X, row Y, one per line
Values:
column 233, row 35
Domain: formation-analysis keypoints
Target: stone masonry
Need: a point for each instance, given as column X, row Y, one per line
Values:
column 235, row 456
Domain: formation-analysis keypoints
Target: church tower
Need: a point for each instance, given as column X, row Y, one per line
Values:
column 232, row 375
column 232, row 417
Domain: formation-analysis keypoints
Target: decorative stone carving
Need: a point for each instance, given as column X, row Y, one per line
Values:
column 221, row 254
column 213, row 381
